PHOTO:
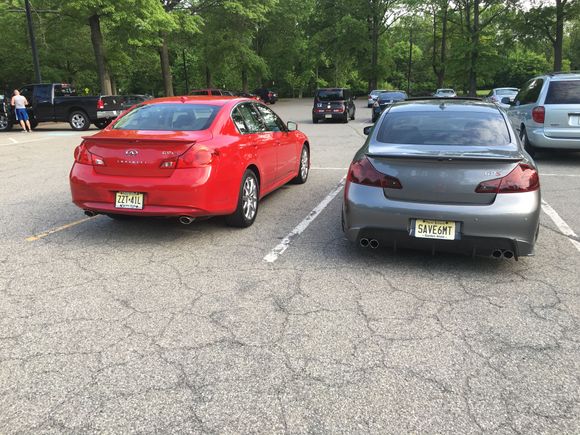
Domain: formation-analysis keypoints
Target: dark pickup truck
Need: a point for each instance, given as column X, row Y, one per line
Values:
column 58, row 102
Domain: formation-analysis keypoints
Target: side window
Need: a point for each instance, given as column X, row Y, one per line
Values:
column 490, row 93
column 251, row 118
column 523, row 93
column 27, row 93
column 272, row 121
column 534, row 93
column 239, row 121
column 43, row 92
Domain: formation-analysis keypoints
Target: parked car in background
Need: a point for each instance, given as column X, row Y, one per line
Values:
column 128, row 101
column 58, row 102
column 498, row 94
column 267, row 95
column 546, row 112
column 443, row 175
column 333, row 103
column 4, row 114
column 247, row 95
column 445, row 93
column 373, row 96
column 208, row 92
column 187, row 158
column 386, row 99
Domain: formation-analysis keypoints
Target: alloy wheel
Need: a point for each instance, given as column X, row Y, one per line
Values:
column 304, row 164
column 249, row 198
column 78, row 121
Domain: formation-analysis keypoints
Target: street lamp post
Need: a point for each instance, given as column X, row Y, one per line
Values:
column 32, row 42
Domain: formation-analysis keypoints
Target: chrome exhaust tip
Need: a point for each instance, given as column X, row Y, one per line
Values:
column 186, row 220
column 496, row 253
column 374, row 243
column 364, row 243
column 508, row 254
column 91, row 213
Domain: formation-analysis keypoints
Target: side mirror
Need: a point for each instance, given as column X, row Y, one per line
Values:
column 367, row 130
column 506, row 100
column 292, row 126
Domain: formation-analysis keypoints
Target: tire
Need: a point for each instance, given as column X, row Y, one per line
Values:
column 5, row 123
column 33, row 123
column 79, row 120
column 102, row 124
column 315, row 120
column 345, row 119
column 353, row 114
column 525, row 141
column 303, row 166
column 247, row 208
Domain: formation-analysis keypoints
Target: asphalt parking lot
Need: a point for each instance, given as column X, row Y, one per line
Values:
column 149, row 325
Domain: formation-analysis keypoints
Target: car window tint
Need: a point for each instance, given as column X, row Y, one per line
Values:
column 26, row 93
column 392, row 96
column 239, row 121
column 330, row 95
column 199, row 93
column 251, row 118
column 168, row 117
column 444, row 128
column 272, row 121
column 43, row 92
column 564, row 92
column 530, row 92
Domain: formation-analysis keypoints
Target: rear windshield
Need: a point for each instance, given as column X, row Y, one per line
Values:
column 567, row 92
column 444, row 128
column 168, row 117
column 199, row 93
column 445, row 91
column 330, row 95
column 506, row 91
column 392, row 96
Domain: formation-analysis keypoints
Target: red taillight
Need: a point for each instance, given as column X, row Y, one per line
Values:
column 523, row 178
column 84, row 157
column 100, row 104
column 363, row 172
column 270, row 94
column 539, row 114
column 192, row 158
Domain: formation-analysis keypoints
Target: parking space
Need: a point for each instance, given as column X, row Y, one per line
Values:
column 150, row 325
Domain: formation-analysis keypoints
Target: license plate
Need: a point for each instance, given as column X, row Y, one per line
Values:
column 430, row 229
column 574, row 120
column 328, row 115
column 132, row 200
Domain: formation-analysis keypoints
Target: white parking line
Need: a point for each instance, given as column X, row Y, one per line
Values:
column 299, row 229
column 561, row 224
column 559, row 175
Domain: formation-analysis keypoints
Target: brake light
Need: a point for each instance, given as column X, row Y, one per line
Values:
column 523, row 178
column 84, row 157
column 100, row 104
column 363, row 172
column 539, row 114
column 194, row 157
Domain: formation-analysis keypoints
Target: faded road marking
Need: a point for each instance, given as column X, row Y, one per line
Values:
column 56, row 230
column 299, row 229
column 561, row 224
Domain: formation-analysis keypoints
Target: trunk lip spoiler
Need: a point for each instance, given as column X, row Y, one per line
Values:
column 446, row 157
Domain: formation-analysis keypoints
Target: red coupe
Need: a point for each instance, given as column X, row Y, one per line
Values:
column 189, row 157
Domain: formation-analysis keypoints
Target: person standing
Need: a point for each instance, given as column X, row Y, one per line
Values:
column 20, row 102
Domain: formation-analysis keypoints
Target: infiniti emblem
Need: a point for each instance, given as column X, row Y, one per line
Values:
column 131, row 152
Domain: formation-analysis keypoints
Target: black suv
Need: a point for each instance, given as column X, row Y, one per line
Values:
column 333, row 103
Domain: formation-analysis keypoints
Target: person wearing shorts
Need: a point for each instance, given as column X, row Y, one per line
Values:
column 20, row 102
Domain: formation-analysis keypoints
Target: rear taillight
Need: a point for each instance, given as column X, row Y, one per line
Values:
column 194, row 157
column 523, row 178
column 539, row 114
column 363, row 172
column 84, row 157
column 100, row 104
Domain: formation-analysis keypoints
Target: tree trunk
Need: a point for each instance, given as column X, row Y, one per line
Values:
column 443, row 54
column 474, row 50
column 374, row 55
column 244, row 79
column 113, row 86
column 98, row 47
column 559, row 35
column 208, row 78
column 165, row 66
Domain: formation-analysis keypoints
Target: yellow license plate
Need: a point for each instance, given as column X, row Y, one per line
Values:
column 132, row 200
column 429, row 229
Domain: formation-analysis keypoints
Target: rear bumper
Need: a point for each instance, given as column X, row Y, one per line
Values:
column 511, row 222
column 538, row 139
column 186, row 192
column 333, row 115
column 108, row 114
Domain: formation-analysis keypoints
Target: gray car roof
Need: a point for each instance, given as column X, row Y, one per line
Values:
column 450, row 105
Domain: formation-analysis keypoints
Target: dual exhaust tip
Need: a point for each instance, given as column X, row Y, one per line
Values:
column 366, row 243
column 502, row 253
column 185, row 220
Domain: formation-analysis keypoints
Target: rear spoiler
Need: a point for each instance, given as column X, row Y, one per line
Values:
column 448, row 157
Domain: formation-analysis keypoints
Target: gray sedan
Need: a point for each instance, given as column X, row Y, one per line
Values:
column 443, row 175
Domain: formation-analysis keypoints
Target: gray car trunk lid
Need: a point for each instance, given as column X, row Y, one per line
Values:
column 443, row 176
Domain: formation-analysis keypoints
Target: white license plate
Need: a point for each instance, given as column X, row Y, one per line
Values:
column 430, row 229
column 328, row 115
column 574, row 120
column 132, row 200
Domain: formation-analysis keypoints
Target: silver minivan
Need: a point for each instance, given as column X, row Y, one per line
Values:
column 546, row 112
